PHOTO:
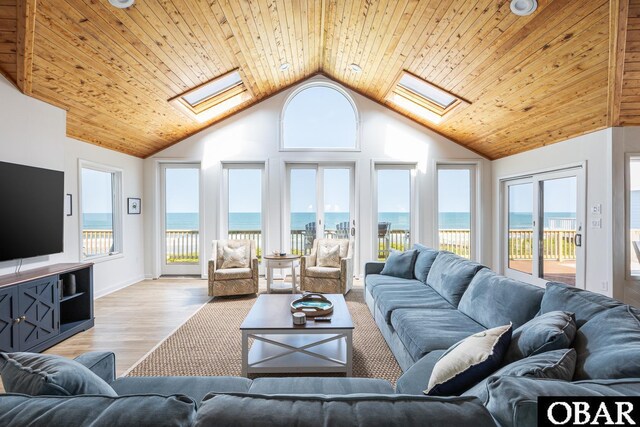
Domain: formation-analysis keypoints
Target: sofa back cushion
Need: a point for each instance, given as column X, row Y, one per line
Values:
column 370, row 410
column 45, row 374
column 584, row 304
column 97, row 411
column 400, row 264
column 608, row 345
column 450, row 276
column 424, row 261
column 493, row 300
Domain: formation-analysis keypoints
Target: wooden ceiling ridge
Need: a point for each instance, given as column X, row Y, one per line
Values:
column 570, row 68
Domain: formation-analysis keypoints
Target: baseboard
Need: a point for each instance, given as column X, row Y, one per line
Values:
column 118, row 286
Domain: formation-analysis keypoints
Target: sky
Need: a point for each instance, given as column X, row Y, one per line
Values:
column 560, row 195
column 96, row 191
column 182, row 190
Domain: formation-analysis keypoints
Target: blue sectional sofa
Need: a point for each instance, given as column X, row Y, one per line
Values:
column 450, row 298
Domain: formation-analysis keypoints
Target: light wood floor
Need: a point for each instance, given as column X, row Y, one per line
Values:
column 133, row 320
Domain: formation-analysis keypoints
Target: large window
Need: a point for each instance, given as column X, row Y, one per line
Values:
column 456, row 184
column 100, row 210
column 633, row 203
column 319, row 116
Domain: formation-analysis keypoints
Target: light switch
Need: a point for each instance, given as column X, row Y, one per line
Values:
column 596, row 209
column 596, row 223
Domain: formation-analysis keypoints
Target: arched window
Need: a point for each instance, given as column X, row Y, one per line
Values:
column 319, row 116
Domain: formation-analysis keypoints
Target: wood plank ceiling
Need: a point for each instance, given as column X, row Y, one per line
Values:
column 531, row 81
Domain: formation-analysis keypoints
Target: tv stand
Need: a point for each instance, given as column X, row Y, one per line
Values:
column 35, row 314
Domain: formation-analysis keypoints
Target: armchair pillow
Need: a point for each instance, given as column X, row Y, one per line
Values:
column 469, row 361
column 234, row 257
column 550, row 331
column 400, row 264
column 328, row 255
column 44, row 374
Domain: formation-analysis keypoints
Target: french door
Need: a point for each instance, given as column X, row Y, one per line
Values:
column 180, row 223
column 544, row 227
column 395, row 208
column 320, row 204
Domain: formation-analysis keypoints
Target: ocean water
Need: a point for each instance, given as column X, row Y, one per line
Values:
column 251, row 221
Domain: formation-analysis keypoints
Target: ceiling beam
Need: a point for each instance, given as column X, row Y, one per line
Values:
column 25, row 40
column 618, row 15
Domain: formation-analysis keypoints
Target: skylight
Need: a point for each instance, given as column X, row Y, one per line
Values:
column 422, row 98
column 426, row 90
column 213, row 88
column 214, row 97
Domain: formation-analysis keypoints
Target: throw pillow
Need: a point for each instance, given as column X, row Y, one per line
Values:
column 234, row 257
column 608, row 345
column 424, row 259
column 400, row 264
column 469, row 361
column 44, row 374
column 584, row 304
column 550, row 331
column 328, row 255
column 556, row 365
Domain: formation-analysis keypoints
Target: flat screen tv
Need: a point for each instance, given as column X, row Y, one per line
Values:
column 31, row 211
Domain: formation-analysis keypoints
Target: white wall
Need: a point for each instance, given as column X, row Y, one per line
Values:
column 253, row 135
column 34, row 133
column 594, row 149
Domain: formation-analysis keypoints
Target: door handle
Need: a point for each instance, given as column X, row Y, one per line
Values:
column 353, row 231
column 578, row 240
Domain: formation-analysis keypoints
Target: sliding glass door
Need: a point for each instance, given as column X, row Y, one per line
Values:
column 181, row 219
column 544, row 227
column 320, row 204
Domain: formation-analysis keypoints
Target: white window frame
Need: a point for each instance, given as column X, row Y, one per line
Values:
column 117, row 206
column 413, row 202
column 628, row 252
column 329, row 85
column 474, row 171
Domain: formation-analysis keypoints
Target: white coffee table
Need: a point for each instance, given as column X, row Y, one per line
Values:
column 281, row 347
column 284, row 262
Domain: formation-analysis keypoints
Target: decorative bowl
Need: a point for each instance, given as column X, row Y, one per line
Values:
column 312, row 305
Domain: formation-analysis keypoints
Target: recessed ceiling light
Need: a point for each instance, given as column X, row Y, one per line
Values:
column 122, row 4
column 355, row 68
column 523, row 7
column 284, row 66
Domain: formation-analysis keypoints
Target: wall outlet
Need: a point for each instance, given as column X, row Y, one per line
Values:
column 596, row 223
column 596, row 209
column 604, row 286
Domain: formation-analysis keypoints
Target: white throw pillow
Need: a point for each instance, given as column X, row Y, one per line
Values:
column 234, row 257
column 469, row 361
column 329, row 255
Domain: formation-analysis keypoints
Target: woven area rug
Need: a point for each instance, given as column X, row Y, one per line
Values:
column 209, row 343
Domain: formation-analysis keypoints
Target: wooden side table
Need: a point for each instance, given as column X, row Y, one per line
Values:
column 286, row 261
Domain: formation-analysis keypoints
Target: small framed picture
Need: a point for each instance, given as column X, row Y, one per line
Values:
column 68, row 205
column 133, row 206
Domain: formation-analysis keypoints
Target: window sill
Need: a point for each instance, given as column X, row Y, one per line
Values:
column 103, row 258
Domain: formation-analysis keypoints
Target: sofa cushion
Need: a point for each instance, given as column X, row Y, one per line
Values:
column 372, row 410
column 550, row 331
column 557, row 364
column 406, row 285
column 425, row 258
column 416, row 379
column 45, row 374
column 513, row 400
column 232, row 273
column 96, row 411
column 584, row 304
column 469, row 361
column 194, row 387
column 319, row 385
column 450, row 275
column 323, row 272
column 493, row 300
column 608, row 345
column 391, row 298
column 400, row 264
column 425, row 330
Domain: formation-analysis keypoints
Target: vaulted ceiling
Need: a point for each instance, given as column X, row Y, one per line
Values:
column 568, row 69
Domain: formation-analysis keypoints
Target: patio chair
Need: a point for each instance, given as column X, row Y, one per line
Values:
column 309, row 236
column 237, row 280
column 336, row 279
column 384, row 229
column 342, row 230
column 636, row 248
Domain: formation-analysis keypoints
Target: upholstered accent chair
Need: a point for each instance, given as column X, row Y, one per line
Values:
column 238, row 279
column 316, row 276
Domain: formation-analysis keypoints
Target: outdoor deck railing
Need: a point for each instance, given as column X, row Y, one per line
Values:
column 184, row 245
